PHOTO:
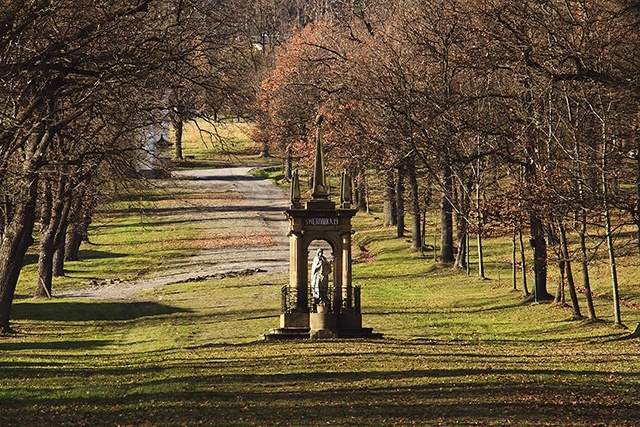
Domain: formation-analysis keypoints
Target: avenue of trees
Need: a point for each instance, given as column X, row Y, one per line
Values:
column 85, row 84
column 518, row 118
column 82, row 83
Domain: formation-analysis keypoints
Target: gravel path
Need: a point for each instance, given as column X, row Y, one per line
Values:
column 231, row 204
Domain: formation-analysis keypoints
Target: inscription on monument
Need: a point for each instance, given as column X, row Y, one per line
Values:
column 321, row 221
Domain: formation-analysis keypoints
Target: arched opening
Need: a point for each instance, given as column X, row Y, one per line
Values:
column 321, row 272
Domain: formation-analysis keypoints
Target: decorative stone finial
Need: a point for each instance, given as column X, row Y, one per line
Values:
column 319, row 185
column 345, row 191
column 295, row 191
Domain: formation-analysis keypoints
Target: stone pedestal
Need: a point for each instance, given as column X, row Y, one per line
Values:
column 323, row 325
column 294, row 320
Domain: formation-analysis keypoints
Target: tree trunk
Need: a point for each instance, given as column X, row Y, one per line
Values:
column 51, row 232
column 288, row 163
column 585, row 267
column 461, row 256
column 446, row 217
column 608, row 231
column 523, row 265
column 361, row 190
column 59, row 239
column 400, row 202
column 636, row 214
column 514, row 262
column 559, row 298
column 480, row 224
column 45, row 259
column 16, row 240
column 416, row 237
column 614, row 271
column 480, row 258
column 539, row 246
column 264, row 152
column 389, row 215
column 569, row 273
column 72, row 243
column 58, row 260
column 80, row 215
column 177, row 129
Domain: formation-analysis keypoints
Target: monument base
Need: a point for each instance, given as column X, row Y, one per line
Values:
column 294, row 320
column 323, row 325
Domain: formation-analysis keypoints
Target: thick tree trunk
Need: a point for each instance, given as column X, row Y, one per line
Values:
column 539, row 246
column 16, row 241
column 72, row 243
column 416, row 237
column 446, row 217
column 78, row 223
column 264, row 152
column 58, row 260
column 51, row 233
column 389, row 215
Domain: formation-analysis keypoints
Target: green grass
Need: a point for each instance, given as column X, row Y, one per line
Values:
column 457, row 350
column 218, row 144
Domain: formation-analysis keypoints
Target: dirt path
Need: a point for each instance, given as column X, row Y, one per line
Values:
column 242, row 228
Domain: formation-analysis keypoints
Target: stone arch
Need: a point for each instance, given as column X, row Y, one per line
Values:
column 333, row 240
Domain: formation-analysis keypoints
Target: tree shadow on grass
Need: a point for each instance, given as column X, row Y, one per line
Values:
column 90, row 311
column 50, row 345
column 92, row 254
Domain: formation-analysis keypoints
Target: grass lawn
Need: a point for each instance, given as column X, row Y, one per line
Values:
column 457, row 350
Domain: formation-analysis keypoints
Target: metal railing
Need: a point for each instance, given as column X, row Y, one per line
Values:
column 335, row 301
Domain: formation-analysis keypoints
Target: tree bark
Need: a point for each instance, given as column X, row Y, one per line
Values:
column 523, row 265
column 585, row 267
column 361, row 191
column 15, row 242
column 446, row 217
column 58, row 260
column 177, row 129
column 539, row 246
column 608, row 230
column 51, row 232
column 568, row 272
column 389, row 215
column 514, row 262
column 416, row 237
column 400, row 202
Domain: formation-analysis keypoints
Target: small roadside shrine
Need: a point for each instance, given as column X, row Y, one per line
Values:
column 312, row 307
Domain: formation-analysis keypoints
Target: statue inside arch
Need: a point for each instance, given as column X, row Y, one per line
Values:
column 320, row 270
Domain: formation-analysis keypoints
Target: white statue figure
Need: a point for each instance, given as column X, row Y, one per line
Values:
column 320, row 270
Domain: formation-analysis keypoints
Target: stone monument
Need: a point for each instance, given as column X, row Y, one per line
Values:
column 313, row 308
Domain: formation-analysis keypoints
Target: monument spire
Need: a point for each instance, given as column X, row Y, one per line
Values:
column 319, row 184
column 295, row 191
